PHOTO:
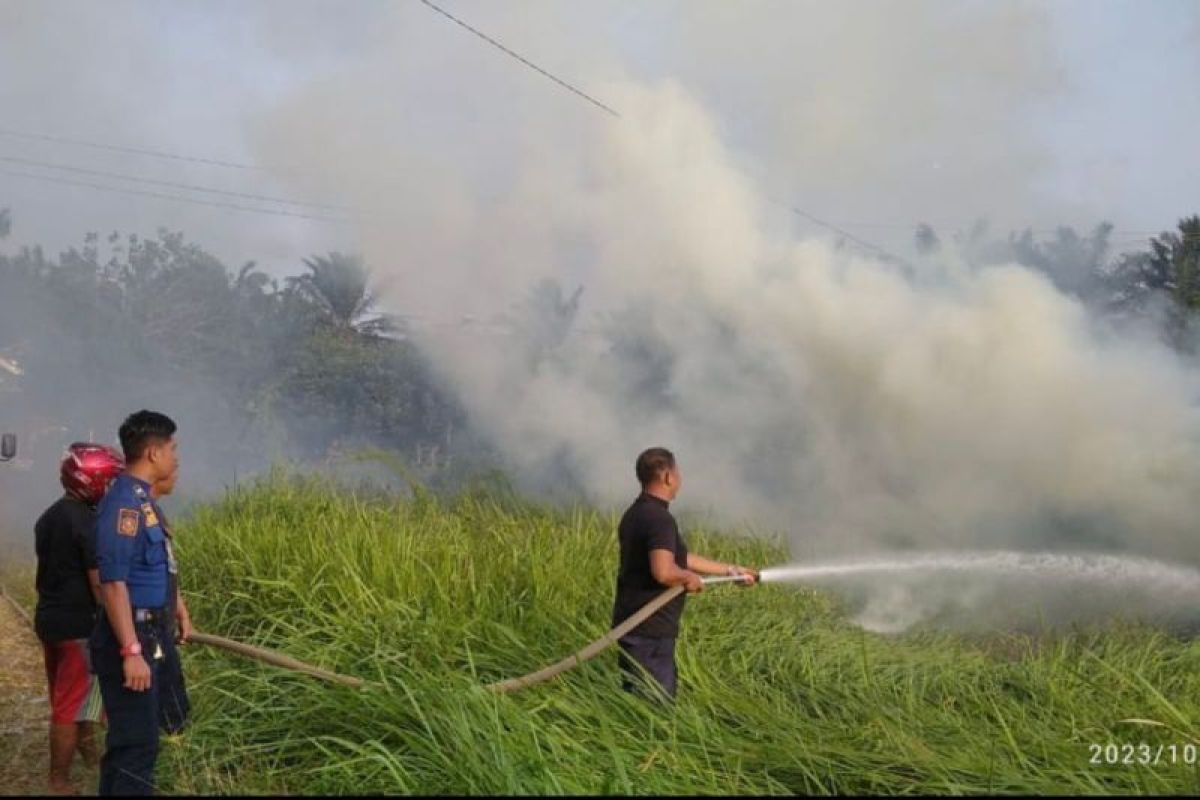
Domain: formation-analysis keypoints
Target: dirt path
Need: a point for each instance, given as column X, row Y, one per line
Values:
column 23, row 709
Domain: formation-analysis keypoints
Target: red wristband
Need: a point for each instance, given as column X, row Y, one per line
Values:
column 134, row 649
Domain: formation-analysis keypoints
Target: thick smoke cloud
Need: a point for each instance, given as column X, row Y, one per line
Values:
column 867, row 407
column 857, row 404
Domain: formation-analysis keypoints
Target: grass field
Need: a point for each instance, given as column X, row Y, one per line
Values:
column 779, row 693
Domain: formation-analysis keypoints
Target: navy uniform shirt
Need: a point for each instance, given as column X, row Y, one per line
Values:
column 130, row 543
column 647, row 525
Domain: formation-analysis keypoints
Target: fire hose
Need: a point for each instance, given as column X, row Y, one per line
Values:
column 249, row 651
column 275, row 659
column 603, row 643
column 589, row 652
column 501, row 687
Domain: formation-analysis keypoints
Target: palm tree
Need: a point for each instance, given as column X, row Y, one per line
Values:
column 1171, row 269
column 338, row 287
column 1171, row 266
column 250, row 281
column 1179, row 254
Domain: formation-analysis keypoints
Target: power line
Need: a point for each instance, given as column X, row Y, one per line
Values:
column 169, row 184
column 837, row 230
column 161, row 196
column 957, row 226
column 798, row 211
column 253, row 167
column 857, row 240
column 193, row 159
column 832, row 225
column 1123, row 237
column 521, row 58
column 1175, row 233
column 134, row 150
column 141, row 151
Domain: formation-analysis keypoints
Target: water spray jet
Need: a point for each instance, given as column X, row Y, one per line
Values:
column 1093, row 567
column 1099, row 567
column 965, row 587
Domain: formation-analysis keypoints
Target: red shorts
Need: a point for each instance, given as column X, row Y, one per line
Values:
column 74, row 690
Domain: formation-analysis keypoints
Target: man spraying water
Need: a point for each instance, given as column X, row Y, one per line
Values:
column 654, row 557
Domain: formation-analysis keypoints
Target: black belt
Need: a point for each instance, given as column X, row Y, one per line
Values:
column 148, row 615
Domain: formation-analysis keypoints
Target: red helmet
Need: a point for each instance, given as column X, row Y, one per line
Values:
column 87, row 469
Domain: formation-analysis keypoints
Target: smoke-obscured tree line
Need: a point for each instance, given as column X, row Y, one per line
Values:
column 309, row 367
column 1160, row 283
column 266, row 371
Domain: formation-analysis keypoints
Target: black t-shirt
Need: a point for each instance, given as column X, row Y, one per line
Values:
column 647, row 525
column 66, row 550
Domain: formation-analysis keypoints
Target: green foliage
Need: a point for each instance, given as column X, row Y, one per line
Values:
column 1075, row 263
column 1169, row 270
column 337, row 285
column 779, row 694
column 357, row 382
column 282, row 372
column 1161, row 283
column 1179, row 253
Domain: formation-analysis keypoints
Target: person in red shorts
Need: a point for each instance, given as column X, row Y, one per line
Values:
column 68, row 590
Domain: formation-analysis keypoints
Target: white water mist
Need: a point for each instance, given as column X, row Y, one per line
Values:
column 898, row 591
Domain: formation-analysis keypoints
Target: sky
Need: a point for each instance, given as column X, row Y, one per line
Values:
column 870, row 115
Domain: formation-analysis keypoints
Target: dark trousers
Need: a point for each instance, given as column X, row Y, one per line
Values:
column 131, row 745
column 648, row 664
column 173, row 703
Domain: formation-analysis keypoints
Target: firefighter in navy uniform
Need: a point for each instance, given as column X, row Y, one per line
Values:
column 173, row 703
column 129, row 643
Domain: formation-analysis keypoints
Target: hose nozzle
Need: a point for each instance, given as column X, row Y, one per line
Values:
column 711, row 579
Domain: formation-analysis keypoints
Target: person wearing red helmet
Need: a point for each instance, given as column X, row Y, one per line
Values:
column 68, row 590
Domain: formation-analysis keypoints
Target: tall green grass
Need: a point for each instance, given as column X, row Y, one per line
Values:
column 779, row 694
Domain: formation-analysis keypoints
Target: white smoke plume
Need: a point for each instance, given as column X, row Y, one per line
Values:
column 858, row 405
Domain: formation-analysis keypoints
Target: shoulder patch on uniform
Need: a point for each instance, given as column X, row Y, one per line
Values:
column 127, row 522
